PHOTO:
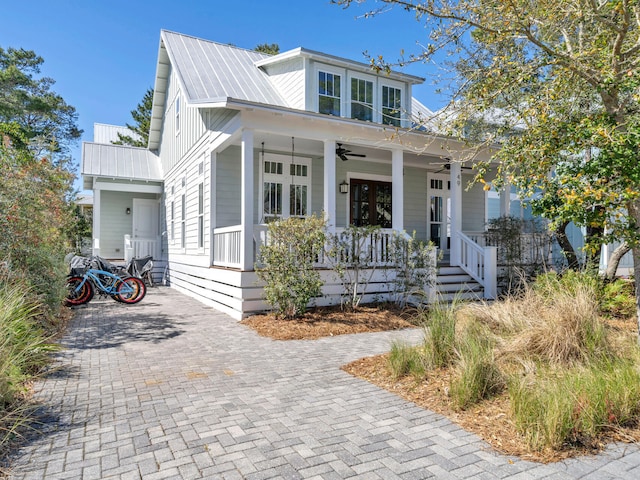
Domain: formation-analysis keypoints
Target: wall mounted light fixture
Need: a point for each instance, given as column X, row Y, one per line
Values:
column 344, row 187
column 128, row 211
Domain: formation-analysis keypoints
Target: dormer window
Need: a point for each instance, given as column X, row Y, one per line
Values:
column 362, row 99
column 391, row 105
column 329, row 93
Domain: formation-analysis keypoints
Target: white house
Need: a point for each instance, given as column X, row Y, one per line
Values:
column 239, row 138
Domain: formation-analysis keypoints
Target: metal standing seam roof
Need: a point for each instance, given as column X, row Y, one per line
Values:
column 118, row 161
column 211, row 71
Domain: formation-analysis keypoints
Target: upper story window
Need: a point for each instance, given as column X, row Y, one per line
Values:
column 391, row 105
column 329, row 93
column 362, row 99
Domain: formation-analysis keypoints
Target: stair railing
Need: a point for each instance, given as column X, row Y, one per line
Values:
column 480, row 263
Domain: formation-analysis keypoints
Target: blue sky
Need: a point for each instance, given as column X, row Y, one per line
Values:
column 102, row 54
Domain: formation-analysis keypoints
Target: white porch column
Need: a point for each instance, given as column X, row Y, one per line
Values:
column 505, row 199
column 397, row 190
column 95, row 247
column 329, row 204
column 456, row 211
column 246, row 207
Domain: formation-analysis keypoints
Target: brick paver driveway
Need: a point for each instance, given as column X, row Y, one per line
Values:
column 170, row 388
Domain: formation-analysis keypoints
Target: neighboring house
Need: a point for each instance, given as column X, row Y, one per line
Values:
column 239, row 138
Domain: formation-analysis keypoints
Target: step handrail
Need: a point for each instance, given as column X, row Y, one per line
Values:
column 480, row 263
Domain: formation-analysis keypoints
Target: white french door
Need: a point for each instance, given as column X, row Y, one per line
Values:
column 438, row 210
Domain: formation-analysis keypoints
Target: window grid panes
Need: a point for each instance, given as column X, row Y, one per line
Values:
column 391, row 105
column 361, row 99
column 298, row 200
column 273, row 167
column 272, row 199
column 296, row 170
column 329, row 93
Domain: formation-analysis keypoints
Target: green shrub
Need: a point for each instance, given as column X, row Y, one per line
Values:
column 477, row 375
column 406, row 360
column 618, row 299
column 288, row 264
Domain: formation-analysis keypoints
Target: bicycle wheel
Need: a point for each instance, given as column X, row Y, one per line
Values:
column 77, row 296
column 131, row 290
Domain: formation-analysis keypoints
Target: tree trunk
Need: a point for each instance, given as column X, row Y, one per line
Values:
column 614, row 261
column 594, row 236
column 567, row 249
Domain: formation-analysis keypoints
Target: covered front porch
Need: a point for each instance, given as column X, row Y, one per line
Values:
column 262, row 175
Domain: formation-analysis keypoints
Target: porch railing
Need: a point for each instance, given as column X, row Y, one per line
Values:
column 140, row 247
column 479, row 262
column 226, row 246
column 227, row 241
column 533, row 248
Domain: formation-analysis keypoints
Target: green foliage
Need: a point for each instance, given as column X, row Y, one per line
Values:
column 575, row 406
column 142, row 118
column 477, row 374
column 439, row 323
column 35, row 218
column 24, row 351
column 35, row 215
column 414, row 265
column 557, row 85
column 352, row 255
column 287, row 264
column 270, row 48
column 523, row 248
column 44, row 121
column 406, row 360
column 618, row 300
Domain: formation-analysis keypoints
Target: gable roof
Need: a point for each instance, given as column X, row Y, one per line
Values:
column 119, row 161
column 211, row 72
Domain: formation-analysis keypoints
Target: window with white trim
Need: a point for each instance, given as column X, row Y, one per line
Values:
column 391, row 105
column 329, row 93
column 362, row 99
column 281, row 175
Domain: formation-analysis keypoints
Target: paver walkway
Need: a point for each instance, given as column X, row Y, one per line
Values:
column 169, row 388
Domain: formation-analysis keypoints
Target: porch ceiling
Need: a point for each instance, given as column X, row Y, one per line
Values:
column 315, row 149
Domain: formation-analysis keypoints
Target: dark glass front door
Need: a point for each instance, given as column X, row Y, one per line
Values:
column 370, row 203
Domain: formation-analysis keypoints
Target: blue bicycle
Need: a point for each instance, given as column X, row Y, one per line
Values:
column 85, row 281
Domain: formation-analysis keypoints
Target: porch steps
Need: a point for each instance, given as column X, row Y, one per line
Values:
column 453, row 282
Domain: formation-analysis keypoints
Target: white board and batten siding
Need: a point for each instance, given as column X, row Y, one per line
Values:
column 289, row 79
column 194, row 124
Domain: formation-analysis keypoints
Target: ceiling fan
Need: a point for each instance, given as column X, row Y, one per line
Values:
column 447, row 166
column 344, row 154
